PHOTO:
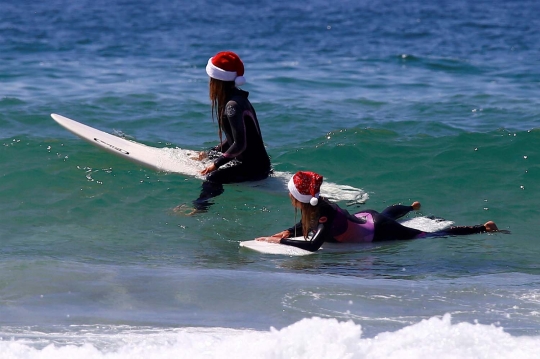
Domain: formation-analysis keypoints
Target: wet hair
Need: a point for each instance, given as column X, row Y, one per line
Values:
column 219, row 91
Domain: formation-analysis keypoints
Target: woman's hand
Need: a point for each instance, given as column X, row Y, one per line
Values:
column 275, row 238
column 209, row 169
column 282, row 234
column 271, row 239
column 200, row 156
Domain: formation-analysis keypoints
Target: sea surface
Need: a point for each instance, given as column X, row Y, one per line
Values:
column 430, row 101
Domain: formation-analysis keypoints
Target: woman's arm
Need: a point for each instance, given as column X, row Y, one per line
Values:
column 221, row 147
column 238, row 132
column 293, row 231
column 274, row 238
column 212, row 152
column 311, row 245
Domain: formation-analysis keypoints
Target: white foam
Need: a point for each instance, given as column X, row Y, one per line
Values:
column 178, row 160
column 308, row 338
column 277, row 182
column 427, row 224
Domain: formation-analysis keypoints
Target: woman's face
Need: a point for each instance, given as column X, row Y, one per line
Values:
column 295, row 202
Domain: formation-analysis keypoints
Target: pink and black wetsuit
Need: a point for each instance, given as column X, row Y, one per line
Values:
column 338, row 225
column 243, row 149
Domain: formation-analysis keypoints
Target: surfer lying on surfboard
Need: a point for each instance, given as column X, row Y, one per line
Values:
column 330, row 223
column 242, row 149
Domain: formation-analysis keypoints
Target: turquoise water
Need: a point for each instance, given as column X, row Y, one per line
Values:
column 434, row 102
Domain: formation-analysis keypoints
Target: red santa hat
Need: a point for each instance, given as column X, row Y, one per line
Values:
column 226, row 66
column 306, row 187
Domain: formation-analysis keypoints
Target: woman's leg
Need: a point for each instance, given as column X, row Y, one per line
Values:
column 209, row 190
column 387, row 229
column 213, row 186
column 397, row 210
column 489, row 226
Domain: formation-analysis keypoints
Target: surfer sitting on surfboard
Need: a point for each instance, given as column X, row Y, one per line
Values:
column 330, row 223
column 243, row 148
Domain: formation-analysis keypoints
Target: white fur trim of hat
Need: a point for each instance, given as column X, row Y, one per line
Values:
column 304, row 198
column 226, row 66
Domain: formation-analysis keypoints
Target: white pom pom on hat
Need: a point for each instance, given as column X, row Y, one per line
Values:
column 226, row 66
column 306, row 187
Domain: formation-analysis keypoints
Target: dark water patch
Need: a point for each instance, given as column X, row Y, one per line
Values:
column 11, row 101
column 445, row 65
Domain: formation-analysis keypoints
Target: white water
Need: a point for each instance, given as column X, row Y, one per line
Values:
column 308, row 338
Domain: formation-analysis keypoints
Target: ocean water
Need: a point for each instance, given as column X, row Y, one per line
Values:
column 408, row 100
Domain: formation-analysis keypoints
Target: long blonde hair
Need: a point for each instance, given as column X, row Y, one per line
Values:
column 309, row 215
column 218, row 92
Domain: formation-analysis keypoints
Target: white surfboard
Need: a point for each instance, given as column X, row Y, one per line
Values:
column 178, row 160
column 164, row 159
column 424, row 224
column 276, row 248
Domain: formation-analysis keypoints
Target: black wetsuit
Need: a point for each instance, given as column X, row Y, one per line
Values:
column 242, row 151
column 337, row 225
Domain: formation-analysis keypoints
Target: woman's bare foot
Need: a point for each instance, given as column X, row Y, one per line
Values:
column 416, row 205
column 491, row 226
column 185, row 210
